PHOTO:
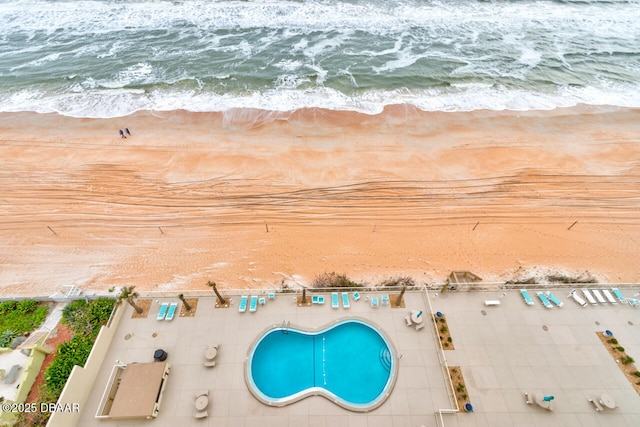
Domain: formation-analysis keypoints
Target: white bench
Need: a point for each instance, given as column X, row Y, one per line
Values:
column 491, row 302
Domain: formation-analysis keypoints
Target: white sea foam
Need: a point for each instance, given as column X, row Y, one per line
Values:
column 283, row 55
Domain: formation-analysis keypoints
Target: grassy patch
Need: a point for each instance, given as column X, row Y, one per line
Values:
column 18, row 317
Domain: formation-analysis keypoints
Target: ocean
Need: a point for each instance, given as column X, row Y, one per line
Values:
column 113, row 58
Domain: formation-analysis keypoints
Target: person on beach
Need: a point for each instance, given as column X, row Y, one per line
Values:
column 127, row 131
column 122, row 134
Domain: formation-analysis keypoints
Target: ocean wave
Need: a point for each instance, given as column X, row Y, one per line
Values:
column 112, row 58
column 108, row 103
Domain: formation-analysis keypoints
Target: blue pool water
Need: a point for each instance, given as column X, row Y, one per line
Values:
column 350, row 362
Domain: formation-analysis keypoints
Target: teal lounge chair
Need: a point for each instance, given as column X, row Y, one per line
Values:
column 243, row 303
column 163, row 310
column 334, row 300
column 253, row 304
column 356, row 296
column 385, row 300
column 345, row 300
column 526, row 296
column 314, row 299
column 544, row 300
column 374, row 302
column 172, row 311
column 320, row 300
column 554, row 300
column 619, row 295
column 272, row 295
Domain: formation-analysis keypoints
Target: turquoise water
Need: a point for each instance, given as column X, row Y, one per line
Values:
column 111, row 58
column 350, row 361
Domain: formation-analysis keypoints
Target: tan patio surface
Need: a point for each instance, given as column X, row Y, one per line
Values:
column 503, row 352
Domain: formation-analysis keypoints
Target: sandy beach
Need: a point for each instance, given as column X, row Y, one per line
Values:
column 247, row 201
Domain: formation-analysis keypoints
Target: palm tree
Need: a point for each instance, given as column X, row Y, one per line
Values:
column 399, row 300
column 186, row 304
column 215, row 289
column 304, row 296
column 128, row 294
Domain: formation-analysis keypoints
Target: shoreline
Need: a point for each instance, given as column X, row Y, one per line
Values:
column 189, row 197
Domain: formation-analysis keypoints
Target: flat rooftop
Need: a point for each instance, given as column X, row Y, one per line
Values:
column 504, row 351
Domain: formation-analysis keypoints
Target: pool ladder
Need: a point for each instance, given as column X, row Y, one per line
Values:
column 285, row 326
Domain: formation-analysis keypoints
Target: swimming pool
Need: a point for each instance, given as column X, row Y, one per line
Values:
column 350, row 362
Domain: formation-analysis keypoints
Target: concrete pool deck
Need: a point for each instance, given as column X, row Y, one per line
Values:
column 503, row 354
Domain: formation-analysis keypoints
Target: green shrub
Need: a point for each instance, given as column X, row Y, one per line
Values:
column 443, row 328
column 449, row 339
column 613, row 341
column 86, row 318
column 23, row 316
column 620, row 348
column 461, row 387
column 6, row 337
column 627, row 360
column 637, row 373
column 69, row 354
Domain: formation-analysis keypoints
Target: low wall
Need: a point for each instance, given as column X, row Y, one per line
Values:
column 82, row 380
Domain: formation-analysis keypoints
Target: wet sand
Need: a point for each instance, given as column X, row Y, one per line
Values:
column 248, row 201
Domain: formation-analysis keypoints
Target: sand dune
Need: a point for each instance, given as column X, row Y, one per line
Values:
column 190, row 197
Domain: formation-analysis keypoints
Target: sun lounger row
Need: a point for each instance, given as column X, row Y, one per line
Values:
column 335, row 300
column 253, row 303
column 167, row 311
column 601, row 296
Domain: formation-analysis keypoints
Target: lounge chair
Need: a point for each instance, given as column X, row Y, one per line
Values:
column 374, row 302
column 589, row 297
column 335, row 302
column 262, row 301
column 320, row 300
column 345, row 300
column 574, row 296
column 598, row 295
column 314, row 299
column 356, row 296
column 633, row 302
column 272, row 295
column 385, row 300
column 609, row 297
column 172, row 311
column 526, row 296
column 408, row 320
column 253, row 304
column 419, row 326
column 619, row 295
column 243, row 303
column 554, row 299
column 544, row 300
column 163, row 310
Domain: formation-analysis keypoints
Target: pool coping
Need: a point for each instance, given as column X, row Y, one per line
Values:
column 318, row 391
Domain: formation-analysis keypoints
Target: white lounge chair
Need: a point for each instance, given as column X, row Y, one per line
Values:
column 598, row 295
column 574, row 296
column 633, row 302
column 589, row 297
column 609, row 297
